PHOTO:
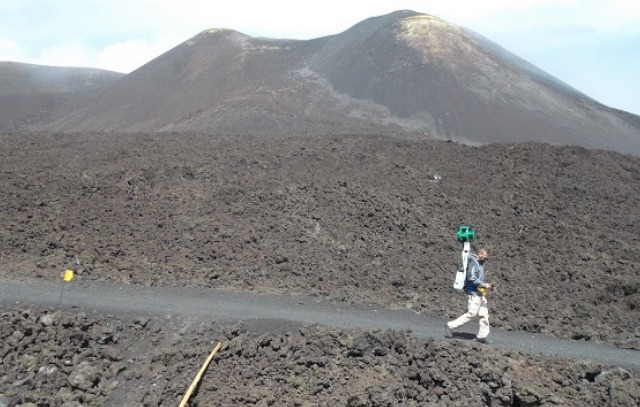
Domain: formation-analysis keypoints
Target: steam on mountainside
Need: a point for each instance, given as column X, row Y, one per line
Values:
column 34, row 94
column 405, row 73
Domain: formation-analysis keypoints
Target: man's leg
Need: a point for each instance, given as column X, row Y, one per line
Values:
column 473, row 308
column 483, row 313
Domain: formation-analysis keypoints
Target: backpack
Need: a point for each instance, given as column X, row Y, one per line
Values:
column 461, row 273
column 465, row 235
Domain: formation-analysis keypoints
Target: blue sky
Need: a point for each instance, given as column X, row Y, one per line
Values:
column 592, row 45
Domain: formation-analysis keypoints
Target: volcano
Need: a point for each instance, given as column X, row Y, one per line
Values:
column 405, row 74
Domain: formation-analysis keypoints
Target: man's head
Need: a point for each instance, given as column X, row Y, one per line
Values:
column 483, row 255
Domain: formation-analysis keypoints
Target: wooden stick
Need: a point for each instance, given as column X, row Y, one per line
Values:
column 185, row 399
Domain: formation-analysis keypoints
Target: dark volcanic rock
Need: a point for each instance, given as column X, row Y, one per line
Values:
column 56, row 363
column 357, row 219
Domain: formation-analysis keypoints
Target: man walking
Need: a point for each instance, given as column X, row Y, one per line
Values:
column 476, row 288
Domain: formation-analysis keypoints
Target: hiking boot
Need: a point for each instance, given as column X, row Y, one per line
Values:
column 483, row 340
column 448, row 333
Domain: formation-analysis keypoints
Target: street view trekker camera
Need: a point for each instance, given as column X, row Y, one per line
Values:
column 465, row 235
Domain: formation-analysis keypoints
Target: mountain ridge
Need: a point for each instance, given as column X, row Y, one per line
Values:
column 408, row 74
column 34, row 94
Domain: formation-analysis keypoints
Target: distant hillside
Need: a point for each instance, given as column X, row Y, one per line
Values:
column 407, row 74
column 34, row 94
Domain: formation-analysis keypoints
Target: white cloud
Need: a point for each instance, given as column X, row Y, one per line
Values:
column 126, row 56
column 9, row 50
column 129, row 55
column 122, row 35
column 66, row 54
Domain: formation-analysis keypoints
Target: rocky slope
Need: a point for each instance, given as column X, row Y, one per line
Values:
column 358, row 219
column 350, row 219
column 74, row 359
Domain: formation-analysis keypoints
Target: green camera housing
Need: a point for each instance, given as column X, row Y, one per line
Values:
column 465, row 234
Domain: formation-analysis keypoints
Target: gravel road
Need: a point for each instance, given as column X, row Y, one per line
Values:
column 270, row 312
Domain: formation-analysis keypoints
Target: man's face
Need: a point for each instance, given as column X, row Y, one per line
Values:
column 482, row 256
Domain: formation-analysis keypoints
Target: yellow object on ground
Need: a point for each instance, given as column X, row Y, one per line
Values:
column 68, row 275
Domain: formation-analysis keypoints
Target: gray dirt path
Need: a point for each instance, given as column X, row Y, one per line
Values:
column 266, row 310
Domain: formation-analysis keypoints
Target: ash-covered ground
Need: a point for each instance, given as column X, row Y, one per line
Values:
column 350, row 219
column 58, row 358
